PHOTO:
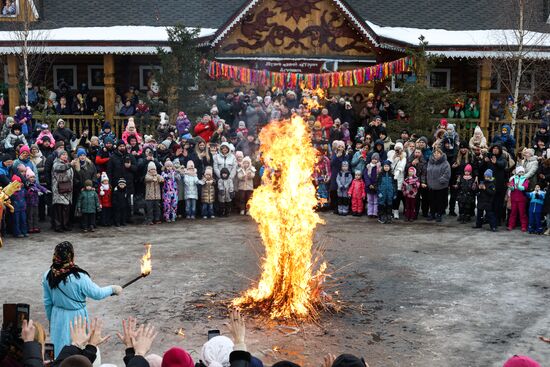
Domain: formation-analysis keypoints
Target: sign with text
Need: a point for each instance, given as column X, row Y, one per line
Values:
column 289, row 66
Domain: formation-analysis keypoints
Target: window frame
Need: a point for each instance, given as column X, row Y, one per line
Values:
column 91, row 86
column 532, row 90
column 74, row 67
column 446, row 70
column 499, row 81
column 142, row 68
column 17, row 10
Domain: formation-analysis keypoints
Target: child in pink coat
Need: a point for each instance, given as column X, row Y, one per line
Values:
column 357, row 193
column 410, row 190
column 518, row 186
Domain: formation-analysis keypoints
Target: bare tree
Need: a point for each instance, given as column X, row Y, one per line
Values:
column 520, row 48
column 30, row 45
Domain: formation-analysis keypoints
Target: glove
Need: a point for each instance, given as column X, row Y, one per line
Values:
column 117, row 290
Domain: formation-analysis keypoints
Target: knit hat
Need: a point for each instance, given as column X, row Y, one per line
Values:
column 255, row 362
column 80, row 151
column 387, row 163
column 348, row 360
column 345, row 163
column 543, row 125
column 151, row 166
column 108, row 140
column 424, row 139
column 59, row 121
column 208, row 170
column 478, row 130
column 463, row 145
column 443, row 122
column 76, row 361
column 398, row 146
column 106, row 125
column 411, row 168
column 25, row 148
column 168, row 163
column 488, row 173
column 121, row 180
column 131, row 124
column 468, row 168
column 375, row 156
column 177, row 357
column 520, row 361
column 166, row 143
column 16, row 178
column 520, row 170
column 120, row 142
column 29, row 173
column 88, row 183
column 190, row 164
column 216, row 351
column 104, row 176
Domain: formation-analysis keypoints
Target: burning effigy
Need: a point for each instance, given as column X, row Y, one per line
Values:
column 291, row 279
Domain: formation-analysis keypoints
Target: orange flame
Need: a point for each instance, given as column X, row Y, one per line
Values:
column 146, row 261
column 284, row 209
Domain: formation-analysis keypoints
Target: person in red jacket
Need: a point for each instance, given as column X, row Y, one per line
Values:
column 326, row 121
column 205, row 128
column 105, row 200
column 357, row 194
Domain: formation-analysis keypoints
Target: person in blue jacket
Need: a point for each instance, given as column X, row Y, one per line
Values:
column 535, row 210
column 66, row 287
column 506, row 139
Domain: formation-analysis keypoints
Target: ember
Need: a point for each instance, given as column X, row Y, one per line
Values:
column 284, row 209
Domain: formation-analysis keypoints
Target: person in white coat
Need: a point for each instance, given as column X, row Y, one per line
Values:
column 398, row 158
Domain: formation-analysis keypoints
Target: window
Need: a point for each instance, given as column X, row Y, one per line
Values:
column 527, row 82
column 495, row 81
column 95, row 77
column 399, row 80
column 10, row 8
column 147, row 76
column 440, row 78
column 64, row 74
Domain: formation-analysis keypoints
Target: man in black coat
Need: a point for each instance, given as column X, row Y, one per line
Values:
column 123, row 165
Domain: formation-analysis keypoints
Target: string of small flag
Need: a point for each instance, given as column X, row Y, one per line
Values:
column 345, row 78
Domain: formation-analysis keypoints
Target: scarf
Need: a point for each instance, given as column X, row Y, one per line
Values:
column 63, row 265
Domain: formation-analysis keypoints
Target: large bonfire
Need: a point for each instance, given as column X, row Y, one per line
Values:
column 283, row 207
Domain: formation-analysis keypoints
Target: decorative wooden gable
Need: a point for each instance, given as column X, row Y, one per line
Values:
column 306, row 28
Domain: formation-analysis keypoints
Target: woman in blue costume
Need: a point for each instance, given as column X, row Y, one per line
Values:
column 66, row 287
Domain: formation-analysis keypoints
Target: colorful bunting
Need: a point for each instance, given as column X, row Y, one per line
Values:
column 347, row 78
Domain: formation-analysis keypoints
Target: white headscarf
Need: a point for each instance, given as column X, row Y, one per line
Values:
column 216, row 351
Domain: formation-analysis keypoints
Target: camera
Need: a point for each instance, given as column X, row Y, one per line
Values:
column 11, row 343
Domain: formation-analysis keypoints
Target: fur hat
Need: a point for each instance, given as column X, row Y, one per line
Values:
column 151, row 166
column 104, row 176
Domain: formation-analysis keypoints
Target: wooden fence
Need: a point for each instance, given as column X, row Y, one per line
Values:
column 525, row 129
column 94, row 124
column 524, row 132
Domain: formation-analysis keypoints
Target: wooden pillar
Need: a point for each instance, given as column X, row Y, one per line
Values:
column 13, row 83
column 485, row 96
column 109, row 88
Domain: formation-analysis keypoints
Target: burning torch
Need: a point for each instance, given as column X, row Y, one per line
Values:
column 145, row 265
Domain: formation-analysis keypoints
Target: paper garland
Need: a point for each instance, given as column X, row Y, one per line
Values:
column 347, row 78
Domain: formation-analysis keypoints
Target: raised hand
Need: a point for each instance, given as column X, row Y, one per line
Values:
column 128, row 332
column 28, row 330
column 79, row 334
column 143, row 339
column 95, row 329
column 237, row 327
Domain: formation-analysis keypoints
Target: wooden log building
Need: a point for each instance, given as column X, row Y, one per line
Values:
column 113, row 45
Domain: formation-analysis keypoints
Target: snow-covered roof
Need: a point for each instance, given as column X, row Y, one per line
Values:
column 86, row 50
column 447, row 38
column 115, row 33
